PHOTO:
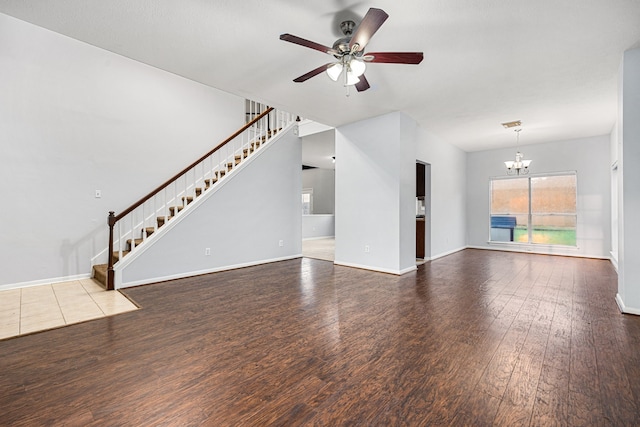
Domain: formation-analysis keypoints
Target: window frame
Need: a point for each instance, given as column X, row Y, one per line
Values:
column 530, row 215
column 308, row 191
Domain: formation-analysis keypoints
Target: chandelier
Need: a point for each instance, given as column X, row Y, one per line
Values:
column 519, row 166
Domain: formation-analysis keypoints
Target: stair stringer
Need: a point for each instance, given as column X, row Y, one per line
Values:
column 242, row 219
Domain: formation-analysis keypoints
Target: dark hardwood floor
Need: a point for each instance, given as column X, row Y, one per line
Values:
column 475, row 338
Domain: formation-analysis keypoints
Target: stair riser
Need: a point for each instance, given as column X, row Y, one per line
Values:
column 100, row 274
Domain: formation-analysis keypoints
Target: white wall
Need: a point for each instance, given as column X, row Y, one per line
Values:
column 629, row 186
column 372, row 207
column 73, row 119
column 316, row 226
column 242, row 223
column 323, row 182
column 408, row 142
column 615, row 188
column 589, row 157
column 448, row 193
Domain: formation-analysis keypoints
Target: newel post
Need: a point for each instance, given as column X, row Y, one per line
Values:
column 111, row 220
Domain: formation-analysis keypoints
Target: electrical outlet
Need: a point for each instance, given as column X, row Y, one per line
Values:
column 281, row 243
column 98, row 194
column 207, row 251
column 366, row 249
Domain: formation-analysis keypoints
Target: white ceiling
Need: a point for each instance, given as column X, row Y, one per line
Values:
column 318, row 150
column 551, row 63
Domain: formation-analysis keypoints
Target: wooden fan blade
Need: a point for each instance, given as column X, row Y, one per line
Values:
column 394, row 57
column 307, row 43
column 367, row 28
column 313, row 73
column 363, row 84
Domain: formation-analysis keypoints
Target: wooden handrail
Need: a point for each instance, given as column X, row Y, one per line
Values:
column 191, row 166
column 113, row 219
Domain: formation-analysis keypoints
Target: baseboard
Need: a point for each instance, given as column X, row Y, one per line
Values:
column 624, row 309
column 201, row 272
column 408, row 270
column 444, row 254
column 318, row 238
column 528, row 251
column 379, row 270
column 614, row 261
column 44, row 282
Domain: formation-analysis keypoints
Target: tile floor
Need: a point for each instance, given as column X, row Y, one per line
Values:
column 319, row 248
column 37, row 308
column 325, row 249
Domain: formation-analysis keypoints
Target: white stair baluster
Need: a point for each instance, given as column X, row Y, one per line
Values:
column 133, row 226
column 119, row 241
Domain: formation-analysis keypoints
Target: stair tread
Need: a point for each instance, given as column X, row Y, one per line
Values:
column 116, row 257
column 137, row 242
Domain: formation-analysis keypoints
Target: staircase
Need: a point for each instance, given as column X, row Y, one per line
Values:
column 152, row 212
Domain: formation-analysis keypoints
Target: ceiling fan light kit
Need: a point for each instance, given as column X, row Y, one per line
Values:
column 351, row 79
column 334, row 71
column 349, row 51
column 357, row 67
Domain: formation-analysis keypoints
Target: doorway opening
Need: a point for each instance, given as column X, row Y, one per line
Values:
column 423, row 211
column 318, row 190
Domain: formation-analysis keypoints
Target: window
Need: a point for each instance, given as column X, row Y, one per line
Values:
column 307, row 201
column 537, row 209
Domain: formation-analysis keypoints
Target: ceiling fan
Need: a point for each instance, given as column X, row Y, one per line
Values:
column 350, row 54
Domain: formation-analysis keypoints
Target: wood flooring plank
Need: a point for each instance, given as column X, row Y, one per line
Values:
column 585, row 405
column 519, row 396
column 552, row 398
column 479, row 410
column 627, row 334
column 619, row 405
column 499, row 370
